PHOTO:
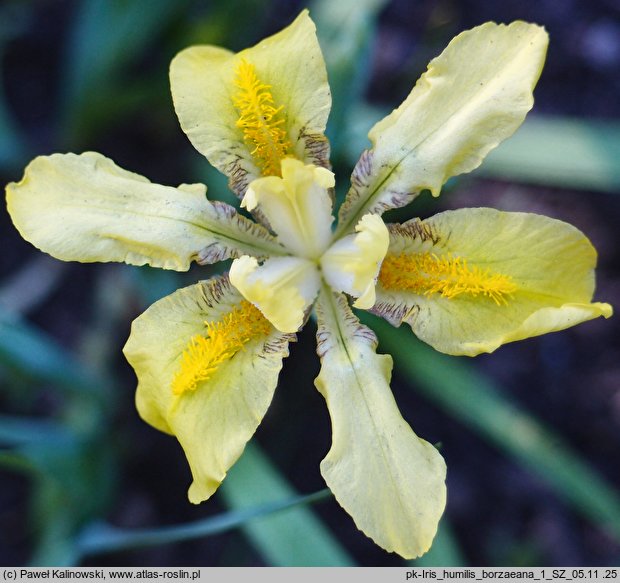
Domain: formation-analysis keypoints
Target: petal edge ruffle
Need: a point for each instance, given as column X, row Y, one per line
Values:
column 389, row 480
column 290, row 63
column 214, row 421
column 546, row 264
column 86, row 208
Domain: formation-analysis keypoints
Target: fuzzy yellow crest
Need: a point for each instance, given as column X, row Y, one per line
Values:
column 261, row 120
column 224, row 338
column 428, row 274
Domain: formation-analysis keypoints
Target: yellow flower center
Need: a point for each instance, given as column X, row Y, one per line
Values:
column 204, row 354
column 428, row 274
column 260, row 119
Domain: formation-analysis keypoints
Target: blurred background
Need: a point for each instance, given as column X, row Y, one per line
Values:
column 531, row 433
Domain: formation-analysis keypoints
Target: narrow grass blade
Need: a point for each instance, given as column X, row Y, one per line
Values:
column 105, row 38
column 55, row 546
column 472, row 398
column 289, row 539
column 71, row 484
column 19, row 430
column 13, row 148
column 346, row 32
column 31, row 353
column 101, row 538
column 12, row 460
column 108, row 36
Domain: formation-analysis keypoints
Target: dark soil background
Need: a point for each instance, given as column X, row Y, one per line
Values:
column 501, row 512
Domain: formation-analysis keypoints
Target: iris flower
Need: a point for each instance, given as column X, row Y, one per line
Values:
column 207, row 357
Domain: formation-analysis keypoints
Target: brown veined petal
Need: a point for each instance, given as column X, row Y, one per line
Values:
column 207, row 365
column 279, row 87
column 470, row 280
column 86, row 208
column 473, row 96
column 388, row 479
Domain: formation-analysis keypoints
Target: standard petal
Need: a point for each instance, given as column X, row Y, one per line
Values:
column 473, row 96
column 213, row 420
column 86, row 208
column 389, row 480
column 298, row 206
column 289, row 78
column 470, row 280
column 282, row 288
column 351, row 264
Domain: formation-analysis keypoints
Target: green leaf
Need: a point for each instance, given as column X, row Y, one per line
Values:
column 100, row 538
column 475, row 400
column 13, row 147
column 560, row 152
column 293, row 538
column 20, row 430
column 361, row 118
column 107, row 37
column 55, row 546
column 31, row 353
column 234, row 24
column 65, row 470
column 346, row 31
column 13, row 460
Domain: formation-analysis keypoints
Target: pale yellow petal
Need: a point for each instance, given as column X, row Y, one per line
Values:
column 86, row 208
column 352, row 263
column 213, row 421
column 298, row 206
column 390, row 481
column 290, row 63
column 470, row 280
column 473, row 96
column 282, row 288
